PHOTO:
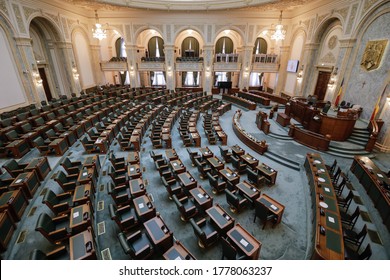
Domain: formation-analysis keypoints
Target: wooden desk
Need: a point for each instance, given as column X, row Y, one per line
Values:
column 92, row 161
column 136, row 142
column 220, row 218
column 196, row 138
column 80, row 218
column 166, row 137
column 244, row 241
column 202, row 199
column 178, row 252
column 267, row 172
column 28, row 182
column 206, row 152
column 171, row 154
column 82, row 246
column 187, row 181
column 134, row 171
column 7, row 228
column 283, row 119
column 59, row 145
column 250, row 160
column 237, row 150
column 18, row 148
column 102, row 144
column 88, row 176
column 177, row 166
column 159, row 233
column 40, row 165
column 70, row 137
column 222, row 137
column 144, row 208
column 137, row 188
column 84, row 194
column 15, row 202
column 272, row 205
column 374, row 181
column 229, row 175
column 216, row 163
column 133, row 158
column 248, row 190
column 329, row 245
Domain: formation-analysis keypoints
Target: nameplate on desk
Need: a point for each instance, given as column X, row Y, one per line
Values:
column 273, row 207
column 331, row 219
column 380, row 175
column 327, row 189
column 228, row 174
column 178, row 258
column 85, row 173
column 18, row 181
column 141, row 205
column 244, row 242
column 132, row 169
column 174, row 164
column 76, row 214
column 200, row 195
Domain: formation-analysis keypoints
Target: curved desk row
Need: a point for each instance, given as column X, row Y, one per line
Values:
column 376, row 184
column 328, row 234
column 272, row 97
column 240, row 101
column 308, row 138
column 255, row 98
column 257, row 145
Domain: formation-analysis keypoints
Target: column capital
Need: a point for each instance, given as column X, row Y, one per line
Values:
column 284, row 48
column 347, row 43
column 311, row 46
column 23, row 41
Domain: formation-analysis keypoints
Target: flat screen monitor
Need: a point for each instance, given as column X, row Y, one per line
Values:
column 292, row 65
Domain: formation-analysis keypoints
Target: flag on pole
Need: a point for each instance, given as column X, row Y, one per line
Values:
column 336, row 102
column 377, row 107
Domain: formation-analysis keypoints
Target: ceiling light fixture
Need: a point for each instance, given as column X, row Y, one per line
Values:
column 98, row 32
column 279, row 33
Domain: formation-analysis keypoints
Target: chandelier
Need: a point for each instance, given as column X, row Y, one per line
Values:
column 98, row 32
column 279, row 33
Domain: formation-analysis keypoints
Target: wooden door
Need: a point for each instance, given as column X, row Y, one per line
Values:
column 322, row 84
column 45, row 84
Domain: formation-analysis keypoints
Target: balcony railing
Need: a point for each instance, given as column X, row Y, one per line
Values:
column 265, row 58
column 226, row 57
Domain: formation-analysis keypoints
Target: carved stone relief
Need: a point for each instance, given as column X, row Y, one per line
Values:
column 329, row 58
column 368, row 4
column 3, row 6
column 54, row 18
column 251, row 30
column 332, row 42
column 351, row 19
column 320, row 19
column 65, row 27
column 343, row 12
column 169, row 33
column 119, row 27
column 19, row 18
column 128, row 32
column 29, row 11
column 209, row 33
column 372, row 55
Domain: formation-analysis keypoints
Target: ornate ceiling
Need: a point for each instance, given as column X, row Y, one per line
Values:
column 191, row 5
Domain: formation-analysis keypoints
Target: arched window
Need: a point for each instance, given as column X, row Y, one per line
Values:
column 260, row 46
column 156, row 47
column 224, row 45
column 190, row 47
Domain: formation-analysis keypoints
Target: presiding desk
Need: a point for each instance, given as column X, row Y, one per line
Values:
column 329, row 242
column 376, row 184
column 244, row 242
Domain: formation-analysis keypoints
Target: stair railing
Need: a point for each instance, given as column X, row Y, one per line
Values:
column 374, row 128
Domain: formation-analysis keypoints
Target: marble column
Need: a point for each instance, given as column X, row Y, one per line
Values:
column 246, row 65
column 208, row 68
column 169, row 51
column 283, row 60
column 70, row 68
column 34, row 92
column 131, row 51
column 308, row 60
column 98, row 74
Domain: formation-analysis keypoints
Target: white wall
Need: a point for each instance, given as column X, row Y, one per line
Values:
column 291, row 78
column 83, row 60
column 12, row 92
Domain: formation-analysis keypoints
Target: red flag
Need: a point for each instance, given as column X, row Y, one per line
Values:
column 336, row 102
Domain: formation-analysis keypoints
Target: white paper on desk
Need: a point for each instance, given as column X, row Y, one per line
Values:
column 273, row 207
column 200, row 195
column 85, row 173
column 227, row 174
column 174, row 164
column 132, row 169
column 178, row 258
column 244, row 242
column 18, row 181
column 141, row 205
column 327, row 189
column 76, row 214
column 331, row 219
column 380, row 175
